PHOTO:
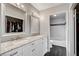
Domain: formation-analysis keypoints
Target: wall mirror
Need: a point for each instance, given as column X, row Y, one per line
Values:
column 13, row 24
column 35, row 25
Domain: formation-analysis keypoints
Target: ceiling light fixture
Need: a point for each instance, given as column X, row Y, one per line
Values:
column 55, row 15
column 18, row 4
column 22, row 6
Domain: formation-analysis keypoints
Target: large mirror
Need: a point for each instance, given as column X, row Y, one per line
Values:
column 13, row 24
column 35, row 25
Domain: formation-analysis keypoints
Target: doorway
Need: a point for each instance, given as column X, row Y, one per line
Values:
column 57, row 35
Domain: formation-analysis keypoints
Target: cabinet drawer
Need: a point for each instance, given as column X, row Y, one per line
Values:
column 33, row 49
column 39, row 41
column 32, row 44
column 37, row 50
column 15, row 52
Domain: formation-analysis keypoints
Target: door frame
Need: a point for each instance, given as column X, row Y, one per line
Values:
column 66, row 33
column 72, row 7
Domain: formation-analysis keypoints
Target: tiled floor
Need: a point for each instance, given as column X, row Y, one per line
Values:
column 56, row 51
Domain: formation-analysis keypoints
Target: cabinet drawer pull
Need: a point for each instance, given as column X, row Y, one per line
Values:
column 33, row 50
column 13, row 53
column 32, row 43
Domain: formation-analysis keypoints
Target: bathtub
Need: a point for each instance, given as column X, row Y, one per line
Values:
column 58, row 43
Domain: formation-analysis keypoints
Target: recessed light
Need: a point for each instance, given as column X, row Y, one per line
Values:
column 22, row 6
column 18, row 3
column 55, row 15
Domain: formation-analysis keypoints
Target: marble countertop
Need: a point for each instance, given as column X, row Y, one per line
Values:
column 9, row 45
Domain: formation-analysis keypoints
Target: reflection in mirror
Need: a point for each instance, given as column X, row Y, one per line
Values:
column 35, row 26
column 13, row 24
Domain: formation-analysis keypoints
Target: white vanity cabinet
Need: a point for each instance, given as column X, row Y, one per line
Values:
column 44, row 45
column 33, row 49
column 14, row 52
column 27, row 50
column 36, row 47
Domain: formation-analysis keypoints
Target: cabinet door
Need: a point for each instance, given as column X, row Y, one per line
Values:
column 38, row 48
column 44, row 45
column 27, row 50
column 19, row 51
column 10, row 53
column 35, row 25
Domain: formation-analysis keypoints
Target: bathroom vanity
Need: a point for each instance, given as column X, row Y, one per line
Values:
column 15, row 21
column 30, row 46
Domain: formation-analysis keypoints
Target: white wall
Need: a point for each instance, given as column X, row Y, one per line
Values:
column 58, row 32
column 59, row 19
column 45, row 16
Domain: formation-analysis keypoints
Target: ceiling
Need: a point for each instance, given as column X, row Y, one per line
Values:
column 43, row 6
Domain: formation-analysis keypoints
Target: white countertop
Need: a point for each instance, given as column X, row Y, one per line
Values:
column 9, row 45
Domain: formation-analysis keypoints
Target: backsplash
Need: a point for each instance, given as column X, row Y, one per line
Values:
column 12, row 37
